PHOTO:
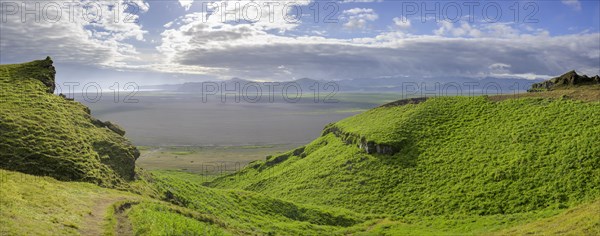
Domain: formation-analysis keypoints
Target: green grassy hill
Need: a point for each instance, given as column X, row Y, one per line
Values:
column 447, row 157
column 454, row 155
column 45, row 134
column 528, row 164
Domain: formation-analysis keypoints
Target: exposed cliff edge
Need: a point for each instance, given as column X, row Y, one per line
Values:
column 44, row 134
column 568, row 79
column 362, row 143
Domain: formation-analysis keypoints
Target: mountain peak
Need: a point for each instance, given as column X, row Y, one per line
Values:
column 570, row 78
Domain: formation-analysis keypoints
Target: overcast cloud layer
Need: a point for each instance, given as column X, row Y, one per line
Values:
column 366, row 42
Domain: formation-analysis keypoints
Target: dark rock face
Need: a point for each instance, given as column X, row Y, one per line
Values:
column 362, row 143
column 48, row 79
column 367, row 145
column 117, row 158
column 41, row 70
column 570, row 78
column 109, row 125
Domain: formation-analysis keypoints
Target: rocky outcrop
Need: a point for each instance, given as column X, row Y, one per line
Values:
column 405, row 102
column 46, row 135
column 118, row 157
column 570, row 78
column 361, row 142
column 109, row 125
column 41, row 70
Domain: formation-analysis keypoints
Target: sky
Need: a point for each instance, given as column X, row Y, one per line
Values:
column 169, row 42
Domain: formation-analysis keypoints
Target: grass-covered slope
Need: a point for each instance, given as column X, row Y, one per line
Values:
column 580, row 220
column 248, row 213
column 453, row 156
column 34, row 205
column 45, row 134
column 175, row 203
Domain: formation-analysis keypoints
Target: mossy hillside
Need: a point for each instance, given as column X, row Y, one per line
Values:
column 45, row 134
column 41, row 70
column 457, row 156
column 244, row 213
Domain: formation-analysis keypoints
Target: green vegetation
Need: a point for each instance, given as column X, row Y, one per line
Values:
column 45, row 134
column 450, row 165
column 581, row 220
column 33, row 205
column 36, row 206
column 159, row 219
column 457, row 156
column 249, row 213
column 587, row 93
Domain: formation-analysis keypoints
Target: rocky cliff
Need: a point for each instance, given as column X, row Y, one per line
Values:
column 368, row 146
column 45, row 134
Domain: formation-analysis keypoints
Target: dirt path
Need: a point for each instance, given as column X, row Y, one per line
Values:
column 123, row 224
column 94, row 222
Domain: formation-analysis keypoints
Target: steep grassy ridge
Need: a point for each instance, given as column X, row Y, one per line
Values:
column 45, row 134
column 456, row 156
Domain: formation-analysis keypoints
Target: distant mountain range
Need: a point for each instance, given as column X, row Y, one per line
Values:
column 418, row 86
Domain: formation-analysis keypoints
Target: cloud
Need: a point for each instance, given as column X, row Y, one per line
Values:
column 202, row 43
column 357, row 18
column 464, row 29
column 499, row 68
column 575, row 4
column 249, row 52
column 186, row 4
column 401, row 22
column 266, row 15
column 489, row 30
column 100, row 38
